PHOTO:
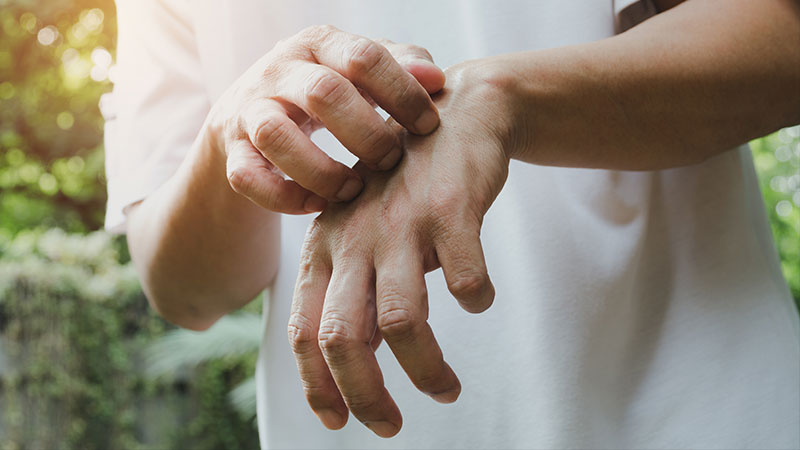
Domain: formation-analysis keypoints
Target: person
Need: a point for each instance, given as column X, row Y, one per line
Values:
column 590, row 155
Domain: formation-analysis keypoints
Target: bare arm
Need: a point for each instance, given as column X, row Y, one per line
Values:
column 202, row 250
column 694, row 81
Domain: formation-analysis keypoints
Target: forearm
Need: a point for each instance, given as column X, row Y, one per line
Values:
column 201, row 249
column 683, row 86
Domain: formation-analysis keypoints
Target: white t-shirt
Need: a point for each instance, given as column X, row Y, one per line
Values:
column 633, row 309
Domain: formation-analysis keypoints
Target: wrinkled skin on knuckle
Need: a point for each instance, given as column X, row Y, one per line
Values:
column 240, row 179
column 365, row 56
column 315, row 34
column 302, row 338
column 396, row 320
column 335, row 337
column 272, row 134
column 324, row 89
column 469, row 283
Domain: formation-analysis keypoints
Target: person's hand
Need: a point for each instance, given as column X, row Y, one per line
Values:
column 321, row 77
column 363, row 263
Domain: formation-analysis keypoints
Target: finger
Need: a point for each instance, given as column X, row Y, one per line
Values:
column 419, row 63
column 282, row 142
column 333, row 100
column 370, row 66
column 458, row 248
column 346, row 330
column 402, row 307
column 320, row 389
column 250, row 175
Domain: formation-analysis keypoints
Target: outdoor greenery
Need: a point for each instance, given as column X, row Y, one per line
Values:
column 76, row 333
column 84, row 362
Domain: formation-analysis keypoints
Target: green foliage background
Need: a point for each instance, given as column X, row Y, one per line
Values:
column 75, row 330
column 84, row 363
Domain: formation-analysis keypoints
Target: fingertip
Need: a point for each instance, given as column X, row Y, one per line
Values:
column 332, row 419
column 448, row 396
column 314, row 203
column 428, row 74
column 427, row 122
column 383, row 429
column 487, row 299
column 349, row 190
column 391, row 159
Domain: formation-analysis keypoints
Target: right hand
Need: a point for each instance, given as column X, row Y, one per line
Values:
column 320, row 77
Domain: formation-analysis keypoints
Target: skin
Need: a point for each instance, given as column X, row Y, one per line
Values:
column 207, row 241
column 636, row 100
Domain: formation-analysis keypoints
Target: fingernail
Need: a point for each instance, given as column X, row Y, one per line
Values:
column 349, row 189
column 391, row 159
column 427, row 122
column 331, row 419
column 383, row 429
column 314, row 203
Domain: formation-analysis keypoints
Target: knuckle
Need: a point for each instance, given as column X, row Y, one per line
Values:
column 316, row 32
column 272, row 134
column 468, row 283
column 240, row 179
column 301, row 333
column 325, row 89
column 420, row 51
column 334, row 337
column 395, row 319
column 365, row 56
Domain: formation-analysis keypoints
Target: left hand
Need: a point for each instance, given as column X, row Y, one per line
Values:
column 363, row 263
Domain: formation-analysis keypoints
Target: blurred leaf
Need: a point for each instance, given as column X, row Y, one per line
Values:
column 233, row 335
column 243, row 398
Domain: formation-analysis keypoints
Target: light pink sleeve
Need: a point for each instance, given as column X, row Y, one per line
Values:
column 158, row 103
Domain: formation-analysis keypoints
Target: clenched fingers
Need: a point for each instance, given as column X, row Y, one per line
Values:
column 371, row 66
column 280, row 140
column 249, row 174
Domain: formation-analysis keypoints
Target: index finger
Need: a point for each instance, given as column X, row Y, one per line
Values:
column 371, row 67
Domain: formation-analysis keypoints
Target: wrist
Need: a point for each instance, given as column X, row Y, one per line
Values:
column 491, row 87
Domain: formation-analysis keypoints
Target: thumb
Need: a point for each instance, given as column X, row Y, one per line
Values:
column 419, row 63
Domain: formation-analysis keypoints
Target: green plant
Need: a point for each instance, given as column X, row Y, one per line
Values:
column 777, row 161
column 74, row 327
column 231, row 338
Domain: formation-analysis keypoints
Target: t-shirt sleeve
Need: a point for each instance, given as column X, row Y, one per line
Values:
column 158, row 103
column 629, row 13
